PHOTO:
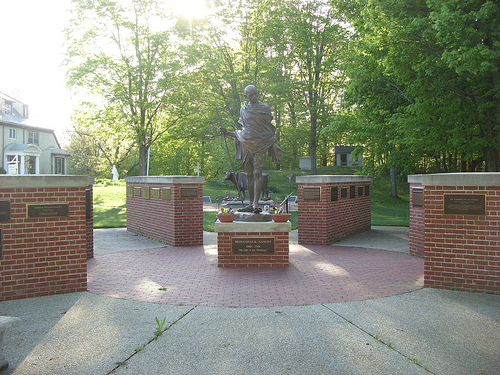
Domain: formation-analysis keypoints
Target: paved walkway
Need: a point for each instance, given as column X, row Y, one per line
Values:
column 317, row 274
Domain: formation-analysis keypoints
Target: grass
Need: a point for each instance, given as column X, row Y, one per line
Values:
column 110, row 202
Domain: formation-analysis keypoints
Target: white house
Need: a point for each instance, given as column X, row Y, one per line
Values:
column 344, row 156
column 25, row 148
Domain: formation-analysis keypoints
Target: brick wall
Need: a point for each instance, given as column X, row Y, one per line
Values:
column 166, row 208
column 342, row 209
column 462, row 251
column 226, row 258
column 44, row 255
column 279, row 232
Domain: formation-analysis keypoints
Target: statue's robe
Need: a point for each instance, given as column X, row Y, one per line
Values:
column 257, row 135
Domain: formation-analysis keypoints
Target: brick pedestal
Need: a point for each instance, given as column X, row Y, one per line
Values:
column 455, row 225
column 166, row 208
column 333, row 207
column 45, row 235
column 230, row 253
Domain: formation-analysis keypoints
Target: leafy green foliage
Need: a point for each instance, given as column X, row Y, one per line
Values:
column 423, row 78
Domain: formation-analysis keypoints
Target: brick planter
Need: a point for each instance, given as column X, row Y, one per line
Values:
column 455, row 225
column 232, row 251
column 333, row 207
column 166, row 208
column 46, row 235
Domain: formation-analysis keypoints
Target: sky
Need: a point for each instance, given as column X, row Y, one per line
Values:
column 31, row 60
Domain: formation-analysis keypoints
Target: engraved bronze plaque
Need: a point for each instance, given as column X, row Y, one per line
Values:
column 252, row 245
column 417, row 197
column 166, row 194
column 189, row 192
column 47, row 210
column 334, row 194
column 130, row 191
column 360, row 191
column 465, row 204
column 352, row 192
column 137, row 191
column 312, row 194
column 367, row 190
column 145, row 193
column 4, row 211
column 343, row 193
column 155, row 192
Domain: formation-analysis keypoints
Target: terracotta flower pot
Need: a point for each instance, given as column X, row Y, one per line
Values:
column 281, row 218
column 226, row 218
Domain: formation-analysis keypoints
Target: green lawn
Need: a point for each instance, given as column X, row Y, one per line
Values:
column 110, row 202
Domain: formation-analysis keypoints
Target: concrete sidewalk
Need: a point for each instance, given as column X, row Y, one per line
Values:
column 421, row 332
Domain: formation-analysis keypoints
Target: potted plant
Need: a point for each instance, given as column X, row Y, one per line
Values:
column 278, row 215
column 226, row 215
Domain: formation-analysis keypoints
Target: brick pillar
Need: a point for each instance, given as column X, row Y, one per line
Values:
column 461, row 230
column 166, row 208
column 44, row 235
column 333, row 207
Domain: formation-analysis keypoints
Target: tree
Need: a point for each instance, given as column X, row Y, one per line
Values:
column 120, row 57
column 303, row 42
column 423, row 84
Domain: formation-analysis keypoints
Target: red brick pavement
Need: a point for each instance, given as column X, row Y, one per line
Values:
column 317, row 274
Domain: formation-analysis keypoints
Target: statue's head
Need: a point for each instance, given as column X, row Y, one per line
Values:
column 252, row 94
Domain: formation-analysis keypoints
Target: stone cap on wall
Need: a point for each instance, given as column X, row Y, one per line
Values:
column 323, row 179
column 166, row 179
column 252, row 227
column 44, row 181
column 456, row 179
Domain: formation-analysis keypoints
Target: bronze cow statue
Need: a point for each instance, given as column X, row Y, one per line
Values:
column 239, row 179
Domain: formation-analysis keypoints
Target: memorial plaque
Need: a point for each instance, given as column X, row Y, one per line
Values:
column 367, row 190
column 417, row 197
column 4, row 211
column 312, row 194
column 130, row 191
column 155, row 192
column 343, row 193
column 360, row 191
column 47, row 210
column 252, row 245
column 334, row 194
column 352, row 193
column 137, row 191
column 166, row 194
column 465, row 204
column 189, row 192
column 145, row 194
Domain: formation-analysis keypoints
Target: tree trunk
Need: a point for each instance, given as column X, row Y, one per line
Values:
column 394, row 183
column 143, row 161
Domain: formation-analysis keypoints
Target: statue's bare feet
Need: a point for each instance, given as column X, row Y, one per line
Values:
column 257, row 210
column 248, row 208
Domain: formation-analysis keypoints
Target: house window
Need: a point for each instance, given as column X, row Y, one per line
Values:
column 343, row 159
column 8, row 108
column 12, row 133
column 59, row 165
column 25, row 111
column 33, row 137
